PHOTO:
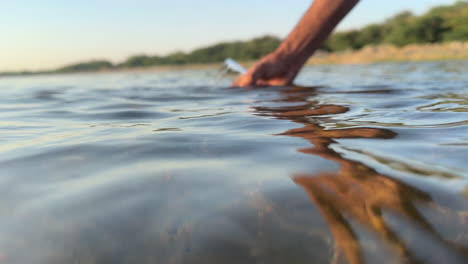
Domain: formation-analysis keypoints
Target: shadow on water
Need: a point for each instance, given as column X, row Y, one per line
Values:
column 357, row 199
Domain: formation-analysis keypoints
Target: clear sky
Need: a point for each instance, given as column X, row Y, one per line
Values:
column 43, row 34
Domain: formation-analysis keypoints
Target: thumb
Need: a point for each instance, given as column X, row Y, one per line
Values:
column 244, row 80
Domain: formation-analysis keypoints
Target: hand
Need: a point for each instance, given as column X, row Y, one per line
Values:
column 275, row 69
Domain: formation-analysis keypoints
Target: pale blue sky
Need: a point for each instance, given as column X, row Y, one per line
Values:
column 43, row 34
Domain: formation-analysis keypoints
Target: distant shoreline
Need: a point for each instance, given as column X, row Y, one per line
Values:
column 388, row 53
column 368, row 54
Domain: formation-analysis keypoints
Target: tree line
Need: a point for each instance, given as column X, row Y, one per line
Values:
column 440, row 24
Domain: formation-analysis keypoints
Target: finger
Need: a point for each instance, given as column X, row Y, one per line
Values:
column 273, row 82
column 253, row 75
column 242, row 81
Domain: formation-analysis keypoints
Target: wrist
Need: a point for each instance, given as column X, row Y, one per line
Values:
column 291, row 57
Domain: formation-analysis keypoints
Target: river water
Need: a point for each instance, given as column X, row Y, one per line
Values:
column 362, row 164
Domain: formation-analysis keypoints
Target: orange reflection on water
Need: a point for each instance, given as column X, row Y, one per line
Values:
column 356, row 192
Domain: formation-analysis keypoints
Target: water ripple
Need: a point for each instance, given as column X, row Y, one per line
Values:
column 174, row 167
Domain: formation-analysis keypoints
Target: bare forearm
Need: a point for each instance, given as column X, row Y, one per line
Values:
column 281, row 66
column 314, row 27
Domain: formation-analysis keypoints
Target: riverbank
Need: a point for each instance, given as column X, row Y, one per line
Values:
column 386, row 53
column 368, row 54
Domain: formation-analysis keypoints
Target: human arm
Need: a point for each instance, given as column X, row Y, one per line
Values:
column 281, row 66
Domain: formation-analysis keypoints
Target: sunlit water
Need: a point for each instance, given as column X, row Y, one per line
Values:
column 366, row 164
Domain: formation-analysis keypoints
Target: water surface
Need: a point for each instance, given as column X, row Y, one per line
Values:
column 362, row 164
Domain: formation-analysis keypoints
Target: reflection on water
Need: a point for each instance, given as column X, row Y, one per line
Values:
column 358, row 193
column 173, row 167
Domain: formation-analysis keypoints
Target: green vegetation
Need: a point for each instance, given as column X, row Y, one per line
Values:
column 247, row 50
column 440, row 24
column 87, row 66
